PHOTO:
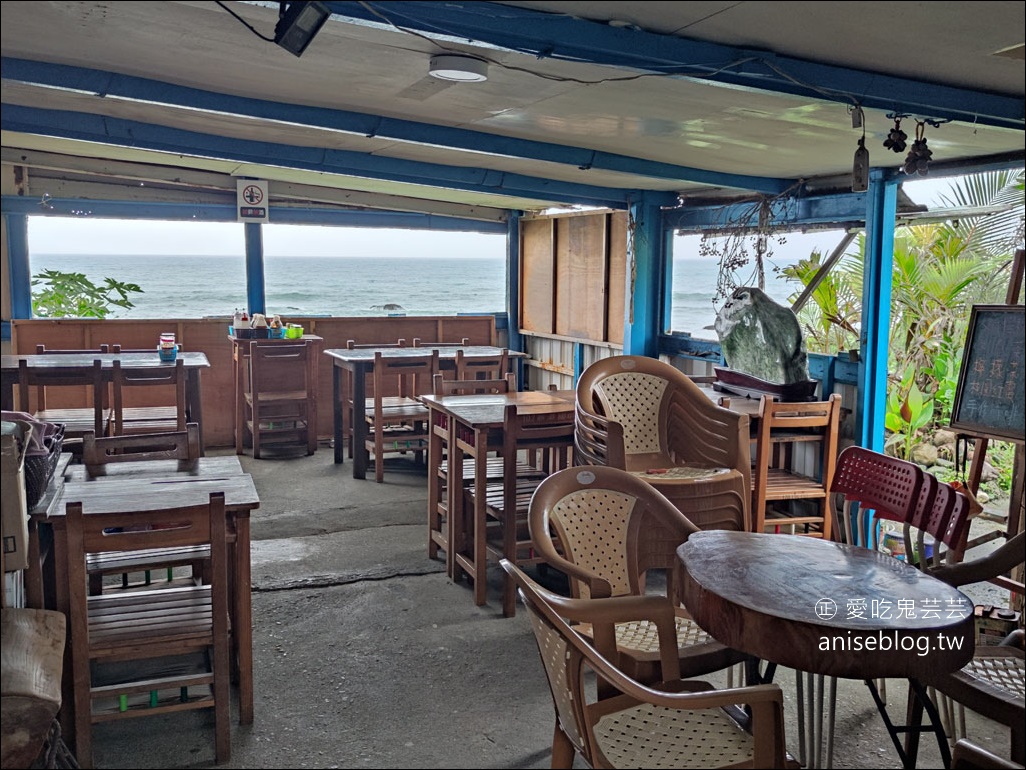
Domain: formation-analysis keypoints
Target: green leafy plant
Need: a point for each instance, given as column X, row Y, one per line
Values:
column 908, row 412
column 56, row 294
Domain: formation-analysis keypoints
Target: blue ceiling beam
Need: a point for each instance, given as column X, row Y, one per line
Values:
column 114, row 131
column 561, row 36
column 114, row 85
column 215, row 212
column 837, row 210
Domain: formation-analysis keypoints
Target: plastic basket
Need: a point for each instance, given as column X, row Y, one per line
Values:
column 39, row 469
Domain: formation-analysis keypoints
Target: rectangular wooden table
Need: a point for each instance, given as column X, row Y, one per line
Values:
column 475, row 428
column 360, row 363
column 147, row 489
column 71, row 365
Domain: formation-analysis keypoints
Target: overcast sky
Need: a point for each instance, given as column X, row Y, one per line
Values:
column 60, row 235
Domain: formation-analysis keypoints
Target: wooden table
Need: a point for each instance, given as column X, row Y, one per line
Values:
column 477, row 421
column 360, row 363
column 139, row 491
column 826, row 608
column 71, row 365
column 201, row 467
column 240, row 356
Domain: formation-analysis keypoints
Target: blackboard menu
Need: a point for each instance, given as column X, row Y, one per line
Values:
column 990, row 400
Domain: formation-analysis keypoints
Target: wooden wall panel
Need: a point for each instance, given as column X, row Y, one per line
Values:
column 581, row 245
column 617, row 262
column 537, row 279
column 211, row 337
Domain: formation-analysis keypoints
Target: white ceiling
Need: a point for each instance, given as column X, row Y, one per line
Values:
column 389, row 136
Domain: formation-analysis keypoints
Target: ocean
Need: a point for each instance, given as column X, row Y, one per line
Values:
column 198, row 286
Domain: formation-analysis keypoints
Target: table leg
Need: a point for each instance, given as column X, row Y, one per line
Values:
column 240, row 396
column 918, row 700
column 455, row 558
column 243, row 631
column 194, row 399
column 34, row 572
column 62, row 603
column 436, row 489
column 358, row 382
column 480, row 535
column 338, row 406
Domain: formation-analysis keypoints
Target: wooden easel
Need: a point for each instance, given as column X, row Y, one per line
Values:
column 1015, row 499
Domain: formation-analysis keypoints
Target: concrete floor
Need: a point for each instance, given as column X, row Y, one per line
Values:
column 366, row 655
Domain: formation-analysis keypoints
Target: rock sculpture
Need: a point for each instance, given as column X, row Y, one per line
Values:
column 762, row 338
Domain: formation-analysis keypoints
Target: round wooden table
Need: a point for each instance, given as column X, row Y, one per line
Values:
column 825, row 608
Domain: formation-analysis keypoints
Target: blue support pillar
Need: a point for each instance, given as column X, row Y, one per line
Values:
column 255, row 296
column 18, row 262
column 645, row 247
column 881, row 208
column 515, row 339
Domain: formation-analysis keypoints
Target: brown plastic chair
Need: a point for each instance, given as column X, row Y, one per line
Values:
column 148, row 652
column 781, row 475
column 675, row 723
column 148, row 419
column 397, row 421
column 644, row 416
column 281, row 402
column 612, row 528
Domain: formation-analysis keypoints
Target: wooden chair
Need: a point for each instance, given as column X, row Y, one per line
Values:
column 347, row 387
column 508, row 497
column 644, row 416
column 606, row 530
column 281, row 402
column 148, row 419
column 171, row 445
column 419, row 343
column 398, row 423
column 992, row 683
column 76, row 420
column 781, row 475
column 148, row 652
column 438, row 522
column 97, row 454
column 675, row 723
column 476, row 366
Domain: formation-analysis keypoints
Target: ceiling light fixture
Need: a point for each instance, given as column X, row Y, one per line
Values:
column 461, row 69
column 298, row 24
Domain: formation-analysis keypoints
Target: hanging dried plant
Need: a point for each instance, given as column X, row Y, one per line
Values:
column 743, row 248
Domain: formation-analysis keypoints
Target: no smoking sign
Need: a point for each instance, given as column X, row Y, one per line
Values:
column 251, row 199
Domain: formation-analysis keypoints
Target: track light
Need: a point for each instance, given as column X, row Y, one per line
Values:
column 298, row 24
